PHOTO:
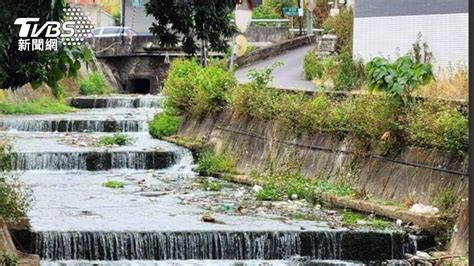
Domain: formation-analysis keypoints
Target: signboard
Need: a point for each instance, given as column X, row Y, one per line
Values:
column 311, row 6
column 290, row 11
column 136, row 3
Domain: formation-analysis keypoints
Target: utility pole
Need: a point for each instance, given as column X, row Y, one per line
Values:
column 122, row 20
column 310, row 6
column 300, row 15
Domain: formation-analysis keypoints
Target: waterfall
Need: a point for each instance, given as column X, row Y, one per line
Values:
column 147, row 101
column 42, row 125
column 214, row 245
column 92, row 161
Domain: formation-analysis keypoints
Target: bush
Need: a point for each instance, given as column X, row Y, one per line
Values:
column 163, row 125
column 350, row 74
column 210, row 163
column 342, row 25
column 398, row 79
column 94, row 84
column 439, row 125
column 196, row 90
column 14, row 199
column 313, row 68
column 258, row 103
column 267, row 194
column 116, row 139
column 211, row 185
column 264, row 12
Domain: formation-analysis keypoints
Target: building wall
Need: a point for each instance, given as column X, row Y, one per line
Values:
column 389, row 28
column 136, row 18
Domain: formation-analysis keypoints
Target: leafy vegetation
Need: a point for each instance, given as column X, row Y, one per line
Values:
column 398, row 79
column 116, row 139
column 211, row 185
column 44, row 105
column 352, row 219
column 8, row 259
column 342, row 25
column 115, row 184
column 14, row 199
column 195, row 90
column 210, row 163
column 163, row 125
column 349, row 74
column 267, row 194
column 313, row 68
column 94, row 84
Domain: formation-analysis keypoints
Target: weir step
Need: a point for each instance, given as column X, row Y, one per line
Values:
column 93, row 160
column 67, row 125
column 149, row 101
column 361, row 246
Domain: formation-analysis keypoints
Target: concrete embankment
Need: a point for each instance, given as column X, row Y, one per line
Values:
column 414, row 174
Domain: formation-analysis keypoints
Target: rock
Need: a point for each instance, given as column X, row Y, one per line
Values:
column 399, row 222
column 423, row 255
column 82, row 143
column 256, row 188
column 208, row 218
column 331, row 212
column 423, row 209
column 294, row 196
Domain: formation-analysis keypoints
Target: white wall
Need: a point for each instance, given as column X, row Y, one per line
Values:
column 446, row 34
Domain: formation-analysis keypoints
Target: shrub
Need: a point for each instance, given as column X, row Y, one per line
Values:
column 350, row 74
column 210, row 163
column 94, row 84
column 14, row 199
column 313, row 68
column 440, row 125
column 342, row 25
column 163, row 125
column 264, row 12
column 192, row 89
column 116, row 139
column 113, row 184
column 398, row 79
column 211, row 185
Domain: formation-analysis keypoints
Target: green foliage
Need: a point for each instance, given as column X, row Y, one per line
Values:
column 264, row 12
column 260, row 78
column 350, row 74
column 267, row 194
column 8, row 259
column 187, row 21
column 115, row 184
column 210, row 163
column 352, row 219
column 43, row 105
column 36, row 67
column 211, row 185
column 256, row 102
column 398, row 79
column 14, row 199
column 446, row 199
column 313, row 68
column 196, row 90
column 342, row 25
column 163, row 125
column 440, row 125
column 94, row 84
column 116, row 139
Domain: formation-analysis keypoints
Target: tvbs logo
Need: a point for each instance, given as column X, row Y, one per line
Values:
column 72, row 31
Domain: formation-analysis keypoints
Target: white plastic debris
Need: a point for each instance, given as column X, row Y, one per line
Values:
column 423, row 209
column 257, row 188
column 294, row 196
column 399, row 222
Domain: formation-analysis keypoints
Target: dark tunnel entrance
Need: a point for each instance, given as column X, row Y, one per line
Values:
column 139, row 85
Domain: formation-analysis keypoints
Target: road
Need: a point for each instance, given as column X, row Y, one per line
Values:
column 288, row 76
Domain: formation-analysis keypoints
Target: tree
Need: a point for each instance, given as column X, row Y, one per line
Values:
column 20, row 67
column 187, row 21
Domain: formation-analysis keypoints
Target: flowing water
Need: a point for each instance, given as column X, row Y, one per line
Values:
column 76, row 220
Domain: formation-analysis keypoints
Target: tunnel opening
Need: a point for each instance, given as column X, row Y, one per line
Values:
column 139, row 85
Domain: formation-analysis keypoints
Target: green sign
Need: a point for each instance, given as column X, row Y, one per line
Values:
column 290, row 11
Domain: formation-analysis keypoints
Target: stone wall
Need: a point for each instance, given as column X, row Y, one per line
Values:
column 414, row 174
column 267, row 34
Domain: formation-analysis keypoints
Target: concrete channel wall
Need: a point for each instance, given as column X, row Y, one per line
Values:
column 415, row 173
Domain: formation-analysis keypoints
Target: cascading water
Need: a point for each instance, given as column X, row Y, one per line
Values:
column 76, row 220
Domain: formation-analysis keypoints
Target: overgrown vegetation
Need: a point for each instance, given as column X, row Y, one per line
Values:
column 352, row 219
column 8, row 259
column 119, row 139
column 342, row 26
column 209, row 185
column 211, row 163
column 267, row 194
column 94, row 84
column 44, row 105
column 14, row 199
column 115, row 184
column 163, row 125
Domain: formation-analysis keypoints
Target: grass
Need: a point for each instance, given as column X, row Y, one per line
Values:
column 267, row 194
column 211, row 185
column 454, row 85
column 119, row 139
column 210, row 163
column 163, row 125
column 44, row 105
column 352, row 219
column 114, row 184
column 94, row 84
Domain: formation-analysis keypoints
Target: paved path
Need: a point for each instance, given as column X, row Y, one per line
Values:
column 288, row 76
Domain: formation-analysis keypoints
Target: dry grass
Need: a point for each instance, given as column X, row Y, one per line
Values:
column 450, row 86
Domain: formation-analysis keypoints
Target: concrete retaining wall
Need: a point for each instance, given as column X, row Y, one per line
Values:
column 267, row 34
column 415, row 173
